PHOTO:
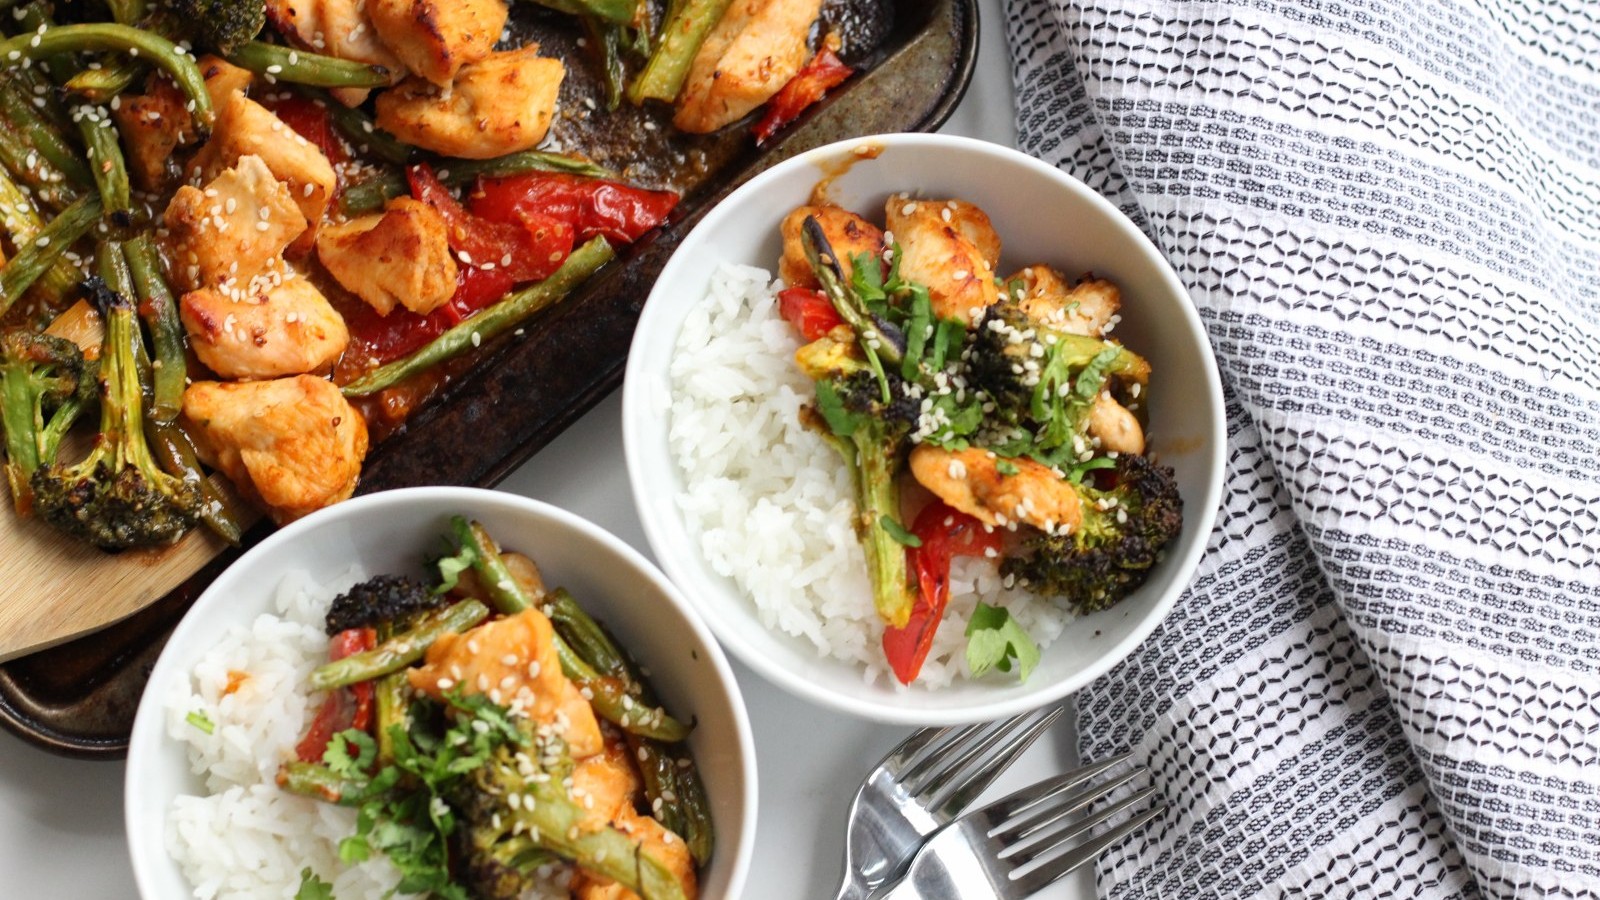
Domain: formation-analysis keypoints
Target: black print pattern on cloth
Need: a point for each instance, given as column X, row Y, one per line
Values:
column 1385, row 678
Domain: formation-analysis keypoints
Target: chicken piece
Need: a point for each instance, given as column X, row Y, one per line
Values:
column 1085, row 308
column 224, row 79
column 972, row 481
column 849, row 234
column 233, row 230
column 398, row 257
column 937, row 249
column 513, row 661
column 294, row 443
column 752, row 51
column 287, row 329
column 436, row 38
column 246, row 128
column 1114, row 426
column 153, row 125
column 605, row 784
column 500, row 105
column 341, row 28
column 661, row 844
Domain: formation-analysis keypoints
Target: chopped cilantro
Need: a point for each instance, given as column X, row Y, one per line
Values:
column 312, row 887
column 1006, row 467
column 451, row 567
column 994, row 639
column 1076, row 473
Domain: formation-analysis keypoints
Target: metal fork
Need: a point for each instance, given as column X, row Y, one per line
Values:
column 1007, row 849
column 922, row 784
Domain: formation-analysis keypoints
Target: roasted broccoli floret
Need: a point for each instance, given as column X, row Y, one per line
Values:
column 221, row 24
column 118, row 497
column 382, row 598
column 45, row 383
column 1042, row 380
column 1124, row 529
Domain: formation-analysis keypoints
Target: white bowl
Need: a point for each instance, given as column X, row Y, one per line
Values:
column 1042, row 215
column 391, row 532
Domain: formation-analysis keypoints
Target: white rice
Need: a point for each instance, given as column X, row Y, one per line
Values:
column 770, row 500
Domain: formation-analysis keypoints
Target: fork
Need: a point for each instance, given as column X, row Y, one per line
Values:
column 925, row 782
column 1005, row 850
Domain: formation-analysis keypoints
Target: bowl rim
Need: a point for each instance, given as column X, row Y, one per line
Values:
column 636, row 401
column 148, row 733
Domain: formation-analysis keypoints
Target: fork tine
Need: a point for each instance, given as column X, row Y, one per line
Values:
column 1044, row 838
column 1027, row 804
column 1054, row 869
column 950, row 777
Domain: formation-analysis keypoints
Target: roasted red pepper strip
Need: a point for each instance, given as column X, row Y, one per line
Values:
column 311, row 121
column 529, row 246
column 594, row 207
column 822, row 73
column 809, row 311
column 945, row 533
column 386, row 338
column 347, row 707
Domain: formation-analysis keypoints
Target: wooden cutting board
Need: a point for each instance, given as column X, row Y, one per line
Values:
column 54, row 588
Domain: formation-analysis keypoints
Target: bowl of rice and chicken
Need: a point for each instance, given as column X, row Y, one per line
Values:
column 926, row 430
column 444, row 692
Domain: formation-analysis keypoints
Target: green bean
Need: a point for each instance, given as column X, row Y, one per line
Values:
column 369, row 195
column 620, row 12
column 160, row 313
column 669, row 774
column 127, row 12
column 321, row 783
column 490, row 323
column 106, row 162
column 401, row 650
column 391, row 709
column 174, row 452
column 48, row 183
column 608, row 694
column 17, row 106
column 608, row 37
column 100, row 85
column 288, row 64
column 681, row 37
column 20, row 219
column 359, row 128
column 39, row 254
column 164, row 54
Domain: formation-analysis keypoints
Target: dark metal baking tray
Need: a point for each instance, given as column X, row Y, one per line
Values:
column 915, row 60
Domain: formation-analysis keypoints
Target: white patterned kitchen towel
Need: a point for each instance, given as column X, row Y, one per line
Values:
column 1385, row 678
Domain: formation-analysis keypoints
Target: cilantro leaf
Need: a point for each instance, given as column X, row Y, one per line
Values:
column 840, row 421
column 1076, row 473
column 899, row 532
column 994, row 639
column 338, row 754
column 1006, row 467
column 312, row 887
column 451, row 567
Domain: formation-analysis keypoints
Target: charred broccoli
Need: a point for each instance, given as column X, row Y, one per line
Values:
column 1124, row 529
column 118, row 497
column 1043, row 381
column 45, row 383
column 382, row 598
column 221, row 24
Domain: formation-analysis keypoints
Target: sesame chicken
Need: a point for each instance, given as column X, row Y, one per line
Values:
column 662, row 845
column 398, row 257
column 223, row 79
column 246, row 128
column 274, row 330
column 153, row 125
column 1117, row 430
column 1085, row 308
column 436, row 38
column 295, row 444
column 752, row 51
column 234, row 229
column 971, row 480
column 502, row 104
column 513, row 662
column 850, row 236
column 606, row 783
column 949, row 246
column 339, row 28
